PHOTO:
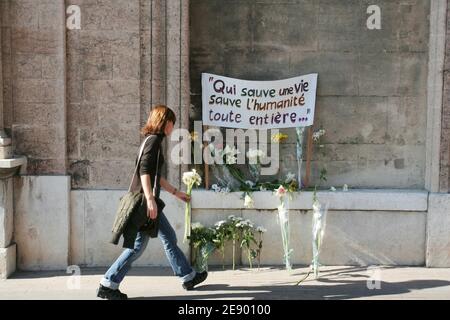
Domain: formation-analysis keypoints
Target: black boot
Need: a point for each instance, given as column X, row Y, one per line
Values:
column 110, row 294
column 199, row 278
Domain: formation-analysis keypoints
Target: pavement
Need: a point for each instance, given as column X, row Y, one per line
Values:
column 267, row 283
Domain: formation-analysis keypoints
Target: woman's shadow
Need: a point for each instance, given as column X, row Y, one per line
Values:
column 327, row 288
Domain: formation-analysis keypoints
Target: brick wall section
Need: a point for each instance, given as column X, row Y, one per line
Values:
column 445, row 136
column 35, row 82
column 372, row 83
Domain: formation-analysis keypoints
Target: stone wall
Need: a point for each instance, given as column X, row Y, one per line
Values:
column 76, row 99
column 445, row 133
column 372, row 83
column 34, row 82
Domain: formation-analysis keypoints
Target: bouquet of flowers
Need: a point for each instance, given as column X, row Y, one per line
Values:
column 201, row 240
column 226, row 174
column 254, row 163
column 260, row 231
column 190, row 179
column 283, row 220
column 318, row 230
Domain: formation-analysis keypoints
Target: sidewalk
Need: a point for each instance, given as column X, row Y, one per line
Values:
column 267, row 283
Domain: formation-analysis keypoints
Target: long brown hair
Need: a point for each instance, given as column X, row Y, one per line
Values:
column 157, row 120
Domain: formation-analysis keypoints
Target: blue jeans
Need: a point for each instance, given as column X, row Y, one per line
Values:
column 180, row 266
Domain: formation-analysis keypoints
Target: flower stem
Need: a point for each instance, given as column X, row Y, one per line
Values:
column 234, row 252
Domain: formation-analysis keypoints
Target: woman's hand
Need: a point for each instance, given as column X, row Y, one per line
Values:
column 182, row 196
column 152, row 208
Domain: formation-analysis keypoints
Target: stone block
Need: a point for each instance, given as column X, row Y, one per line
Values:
column 38, row 166
column 119, row 15
column 6, row 152
column 351, row 238
column 118, row 143
column 126, row 67
column 371, row 174
column 5, row 14
column 125, row 115
column 292, row 25
column 52, row 67
column 367, row 238
column 438, row 238
column 90, row 42
column 52, row 14
column 83, row 115
column 272, row 252
column 93, row 215
column 38, row 91
column 367, row 116
column 80, row 173
column 339, row 72
column 42, row 220
column 112, row 91
column 23, row 14
column 405, row 126
column 38, row 114
column 5, row 141
column 90, row 67
column 413, row 74
column 110, row 173
column 375, row 66
column 43, row 41
column 7, row 261
column 339, row 25
column 353, row 200
column 260, row 63
column 6, row 213
column 27, row 66
column 44, row 142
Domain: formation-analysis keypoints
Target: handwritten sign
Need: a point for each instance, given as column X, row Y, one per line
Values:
column 235, row 103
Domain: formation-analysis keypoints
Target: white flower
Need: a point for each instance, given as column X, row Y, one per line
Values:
column 215, row 187
column 249, row 183
column 316, row 206
column 283, row 215
column 248, row 201
column 196, row 225
column 280, row 192
column 249, row 223
column 230, row 150
column 333, row 189
column 345, row 187
column 261, row 229
column 318, row 134
column 191, row 177
column 220, row 223
column 224, row 190
column 231, row 217
column 289, row 177
column 244, row 223
column 254, row 154
column 230, row 154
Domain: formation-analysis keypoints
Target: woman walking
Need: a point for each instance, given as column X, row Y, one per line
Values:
column 160, row 124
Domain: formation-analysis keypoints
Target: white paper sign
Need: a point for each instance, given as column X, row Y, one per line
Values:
column 235, row 103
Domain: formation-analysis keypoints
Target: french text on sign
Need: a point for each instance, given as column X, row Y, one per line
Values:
column 244, row 104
